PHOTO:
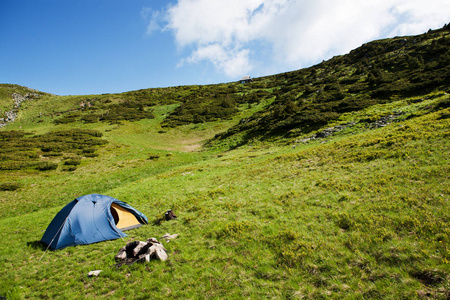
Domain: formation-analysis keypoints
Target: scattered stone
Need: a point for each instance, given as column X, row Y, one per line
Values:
column 169, row 237
column 11, row 115
column 423, row 294
column 244, row 121
column 94, row 273
column 327, row 132
column 156, row 251
column 139, row 251
column 385, row 120
column 304, row 140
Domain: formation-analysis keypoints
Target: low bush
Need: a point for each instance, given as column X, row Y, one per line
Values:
column 153, row 156
column 72, row 162
column 10, row 186
column 69, row 169
column 15, row 165
column 46, row 166
column 20, row 151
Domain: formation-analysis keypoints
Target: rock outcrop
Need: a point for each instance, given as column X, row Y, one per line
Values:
column 11, row 115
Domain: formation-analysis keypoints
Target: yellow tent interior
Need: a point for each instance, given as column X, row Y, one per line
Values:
column 123, row 218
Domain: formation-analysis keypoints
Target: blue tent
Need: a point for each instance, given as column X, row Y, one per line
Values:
column 90, row 219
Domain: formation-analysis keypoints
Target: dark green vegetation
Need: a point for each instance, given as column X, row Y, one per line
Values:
column 44, row 152
column 376, row 73
column 327, row 182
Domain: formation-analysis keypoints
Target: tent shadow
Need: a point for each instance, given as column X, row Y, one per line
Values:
column 37, row 245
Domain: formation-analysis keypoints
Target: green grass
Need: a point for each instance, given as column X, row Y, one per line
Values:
column 361, row 214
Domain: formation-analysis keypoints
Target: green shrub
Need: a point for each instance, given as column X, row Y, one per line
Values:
column 49, row 154
column 18, row 150
column 69, row 169
column 46, row 166
column 72, row 162
column 11, row 135
column 69, row 118
column 153, row 156
column 10, row 186
column 88, row 150
column 201, row 110
column 89, row 118
column 14, row 165
column 53, row 147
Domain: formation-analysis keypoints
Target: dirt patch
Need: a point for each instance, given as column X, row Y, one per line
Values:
column 192, row 148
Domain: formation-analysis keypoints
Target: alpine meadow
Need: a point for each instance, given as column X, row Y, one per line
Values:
column 329, row 182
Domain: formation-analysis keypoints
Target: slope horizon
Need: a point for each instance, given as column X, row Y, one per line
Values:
column 217, row 82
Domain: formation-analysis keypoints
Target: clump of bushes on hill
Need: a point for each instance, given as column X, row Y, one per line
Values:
column 11, row 135
column 127, row 112
column 89, row 152
column 130, row 106
column 22, row 151
column 201, row 110
column 10, row 186
column 197, row 104
column 46, row 166
column 73, row 161
column 112, row 113
column 68, row 118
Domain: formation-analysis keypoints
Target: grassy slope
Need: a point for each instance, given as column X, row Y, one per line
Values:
column 359, row 216
column 363, row 215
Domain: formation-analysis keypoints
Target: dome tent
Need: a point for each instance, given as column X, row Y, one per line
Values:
column 90, row 219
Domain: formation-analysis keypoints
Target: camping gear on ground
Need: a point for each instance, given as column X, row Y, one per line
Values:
column 169, row 215
column 90, row 219
column 138, row 251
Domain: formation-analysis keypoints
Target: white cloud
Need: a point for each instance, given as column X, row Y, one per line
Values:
column 205, row 21
column 154, row 19
column 230, row 61
column 418, row 16
column 296, row 33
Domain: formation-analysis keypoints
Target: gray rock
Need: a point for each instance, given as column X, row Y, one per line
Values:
column 169, row 237
column 11, row 115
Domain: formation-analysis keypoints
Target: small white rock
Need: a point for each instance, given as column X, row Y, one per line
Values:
column 94, row 273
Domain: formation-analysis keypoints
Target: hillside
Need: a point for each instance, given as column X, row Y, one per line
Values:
column 325, row 182
column 376, row 73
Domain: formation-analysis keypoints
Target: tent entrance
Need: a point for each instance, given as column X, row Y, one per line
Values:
column 123, row 218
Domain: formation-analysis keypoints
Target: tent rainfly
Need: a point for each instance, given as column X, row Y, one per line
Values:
column 90, row 219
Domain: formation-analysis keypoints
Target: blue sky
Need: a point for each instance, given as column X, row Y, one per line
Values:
column 79, row 47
